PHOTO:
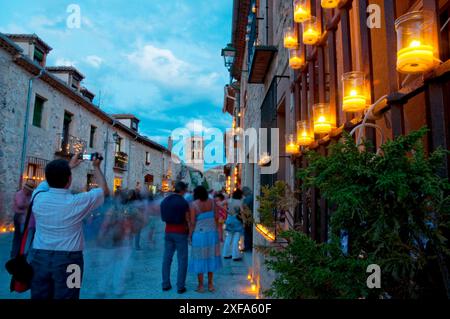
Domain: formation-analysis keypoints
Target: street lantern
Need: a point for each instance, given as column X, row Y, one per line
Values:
column 229, row 54
column 116, row 137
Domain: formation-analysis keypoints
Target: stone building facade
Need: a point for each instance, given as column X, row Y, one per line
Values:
column 63, row 119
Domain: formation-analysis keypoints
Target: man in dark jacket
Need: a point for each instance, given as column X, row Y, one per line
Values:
column 175, row 213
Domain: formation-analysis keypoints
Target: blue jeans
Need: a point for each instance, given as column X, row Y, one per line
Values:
column 175, row 242
column 50, row 274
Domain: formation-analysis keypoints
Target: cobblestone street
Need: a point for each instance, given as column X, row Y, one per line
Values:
column 143, row 277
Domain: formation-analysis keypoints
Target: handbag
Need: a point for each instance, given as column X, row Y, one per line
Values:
column 18, row 267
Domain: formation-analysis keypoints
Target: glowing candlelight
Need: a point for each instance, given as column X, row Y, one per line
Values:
column 354, row 97
column 416, row 53
column 301, row 11
column 329, row 4
column 291, row 145
column 311, row 33
column 290, row 38
column 295, row 59
column 322, row 118
column 305, row 136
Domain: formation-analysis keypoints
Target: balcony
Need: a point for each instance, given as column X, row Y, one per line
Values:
column 67, row 145
column 260, row 57
column 121, row 161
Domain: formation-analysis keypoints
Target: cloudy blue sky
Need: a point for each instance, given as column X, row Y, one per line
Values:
column 158, row 59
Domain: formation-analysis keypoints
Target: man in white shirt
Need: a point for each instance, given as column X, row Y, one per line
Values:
column 58, row 243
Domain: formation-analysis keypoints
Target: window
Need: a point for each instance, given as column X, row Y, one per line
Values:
column 38, row 109
column 38, row 56
column 92, row 137
column 147, row 158
column 134, row 125
column 75, row 83
column 119, row 145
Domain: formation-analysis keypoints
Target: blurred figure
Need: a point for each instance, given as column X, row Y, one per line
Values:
column 151, row 213
column 221, row 206
column 20, row 207
column 205, row 255
column 138, row 206
column 189, row 197
column 234, row 227
column 115, row 240
column 175, row 213
column 248, row 228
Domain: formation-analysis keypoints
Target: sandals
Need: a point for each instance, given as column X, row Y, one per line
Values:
column 211, row 289
column 200, row 290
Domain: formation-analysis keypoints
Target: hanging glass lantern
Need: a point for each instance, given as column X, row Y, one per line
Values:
column 296, row 60
column 302, row 11
column 290, row 38
column 416, row 52
column 291, row 145
column 354, row 92
column 311, row 32
column 322, row 118
column 305, row 135
column 330, row 4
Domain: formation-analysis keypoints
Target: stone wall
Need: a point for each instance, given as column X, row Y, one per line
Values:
column 43, row 141
column 252, row 97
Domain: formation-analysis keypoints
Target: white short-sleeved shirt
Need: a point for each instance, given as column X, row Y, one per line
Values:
column 59, row 216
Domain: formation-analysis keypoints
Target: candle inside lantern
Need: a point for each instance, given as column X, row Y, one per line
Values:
column 311, row 34
column 329, row 4
column 291, row 145
column 354, row 97
column 322, row 119
column 301, row 11
column 416, row 53
column 290, row 38
column 416, row 58
column 295, row 59
column 305, row 136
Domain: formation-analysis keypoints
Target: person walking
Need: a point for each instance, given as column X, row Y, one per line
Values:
column 205, row 254
column 115, row 245
column 221, row 205
column 20, row 207
column 175, row 213
column 234, row 227
column 59, row 240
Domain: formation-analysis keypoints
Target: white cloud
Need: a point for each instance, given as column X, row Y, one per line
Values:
column 160, row 65
column 38, row 22
column 94, row 61
column 64, row 62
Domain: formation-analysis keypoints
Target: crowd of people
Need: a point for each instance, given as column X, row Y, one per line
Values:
column 62, row 224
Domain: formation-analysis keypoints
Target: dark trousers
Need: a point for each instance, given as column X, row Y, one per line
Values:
column 248, row 237
column 18, row 228
column 51, row 273
column 178, row 243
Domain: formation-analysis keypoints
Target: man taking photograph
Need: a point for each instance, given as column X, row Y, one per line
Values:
column 59, row 241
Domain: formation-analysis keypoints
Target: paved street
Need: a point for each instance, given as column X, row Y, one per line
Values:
column 143, row 277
